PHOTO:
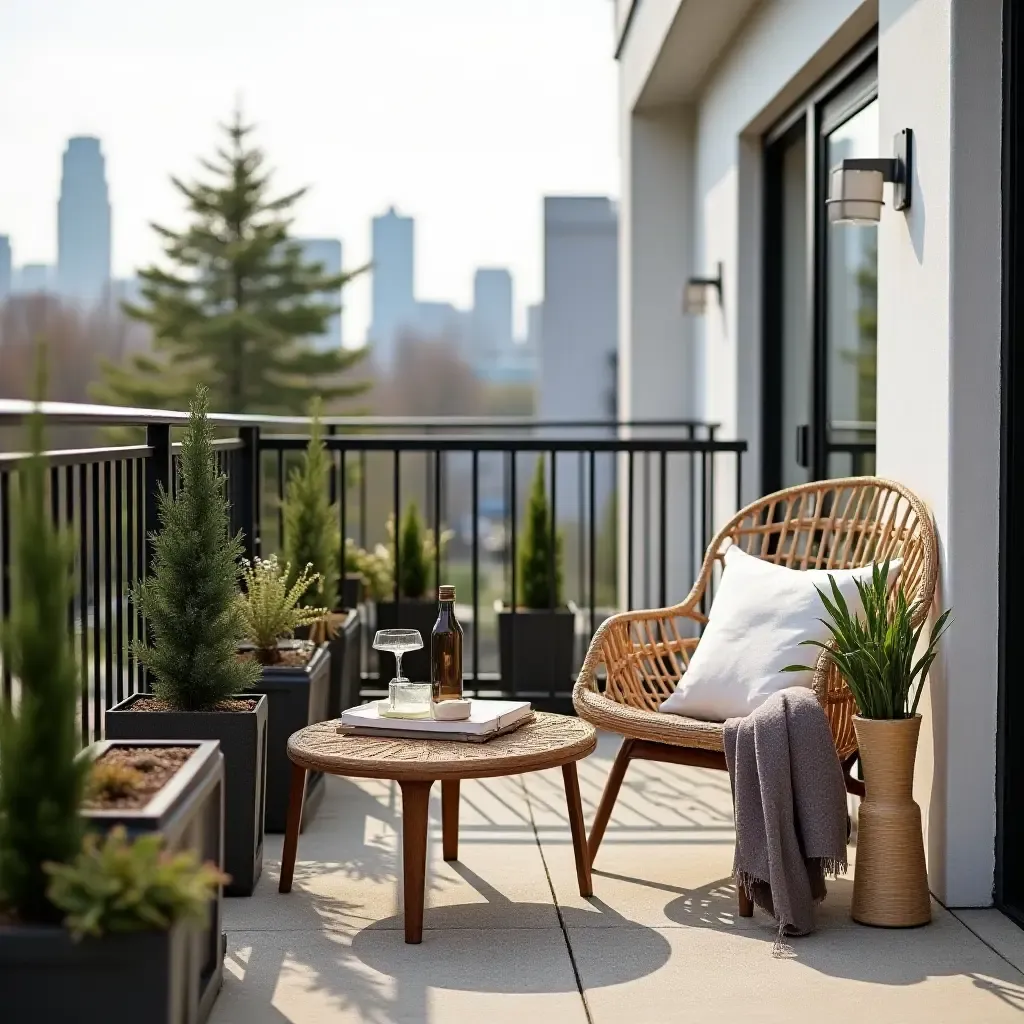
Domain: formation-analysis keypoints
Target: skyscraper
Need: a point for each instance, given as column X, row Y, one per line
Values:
column 83, row 223
column 326, row 251
column 394, row 302
column 5, row 267
column 492, row 314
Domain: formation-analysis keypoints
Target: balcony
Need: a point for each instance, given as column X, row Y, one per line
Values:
column 507, row 935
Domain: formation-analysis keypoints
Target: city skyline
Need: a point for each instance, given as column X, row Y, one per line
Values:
column 451, row 129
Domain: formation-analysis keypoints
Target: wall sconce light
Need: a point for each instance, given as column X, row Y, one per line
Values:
column 695, row 294
column 855, row 185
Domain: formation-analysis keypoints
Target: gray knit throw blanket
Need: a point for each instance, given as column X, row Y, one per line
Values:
column 790, row 807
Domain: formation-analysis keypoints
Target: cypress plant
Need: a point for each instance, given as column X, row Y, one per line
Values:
column 412, row 576
column 41, row 783
column 312, row 535
column 190, row 598
column 535, row 556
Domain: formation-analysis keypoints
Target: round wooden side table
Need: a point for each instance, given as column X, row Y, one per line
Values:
column 549, row 741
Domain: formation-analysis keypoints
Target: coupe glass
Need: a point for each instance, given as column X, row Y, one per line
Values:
column 398, row 641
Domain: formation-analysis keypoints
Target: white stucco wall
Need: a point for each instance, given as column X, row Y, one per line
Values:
column 938, row 388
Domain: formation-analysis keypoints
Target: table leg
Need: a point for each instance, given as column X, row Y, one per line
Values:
column 579, row 832
column 296, row 796
column 450, row 818
column 415, row 802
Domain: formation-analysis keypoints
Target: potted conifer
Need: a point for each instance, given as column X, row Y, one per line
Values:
column 536, row 639
column 92, row 928
column 294, row 674
column 312, row 536
column 416, row 608
column 877, row 653
column 190, row 602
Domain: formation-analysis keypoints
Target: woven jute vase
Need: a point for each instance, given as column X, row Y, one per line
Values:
column 890, row 882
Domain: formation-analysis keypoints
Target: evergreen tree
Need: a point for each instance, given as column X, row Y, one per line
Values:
column 237, row 307
column 41, row 783
column 412, row 577
column 190, row 598
column 312, row 534
column 535, row 555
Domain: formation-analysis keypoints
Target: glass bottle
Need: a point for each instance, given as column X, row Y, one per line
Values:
column 446, row 649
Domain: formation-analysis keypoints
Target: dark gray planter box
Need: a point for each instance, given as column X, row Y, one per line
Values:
column 131, row 978
column 544, row 644
column 243, row 737
column 189, row 813
column 298, row 696
column 345, row 676
column 352, row 590
column 418, row 613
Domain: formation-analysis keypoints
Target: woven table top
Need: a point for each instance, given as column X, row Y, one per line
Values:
column 547, row 742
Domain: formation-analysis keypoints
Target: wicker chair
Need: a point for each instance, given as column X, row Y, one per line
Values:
column 642, row 654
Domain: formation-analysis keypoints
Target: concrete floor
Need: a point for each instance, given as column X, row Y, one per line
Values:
column 508, row 938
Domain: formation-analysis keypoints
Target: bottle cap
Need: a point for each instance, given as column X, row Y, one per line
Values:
column 445, row 593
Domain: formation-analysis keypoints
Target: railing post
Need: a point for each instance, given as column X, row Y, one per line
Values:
column 248, row 490
column 159, row 467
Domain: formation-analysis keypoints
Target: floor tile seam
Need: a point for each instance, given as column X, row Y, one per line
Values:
column 558, row 909
column 980, row 938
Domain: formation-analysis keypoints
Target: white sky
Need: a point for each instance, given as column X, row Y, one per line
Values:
column 463, row 113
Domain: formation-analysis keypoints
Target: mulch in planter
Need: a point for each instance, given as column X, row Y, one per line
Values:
column 155, row 704
column 154, row 767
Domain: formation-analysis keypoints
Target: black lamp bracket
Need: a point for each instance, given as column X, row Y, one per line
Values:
column 896, row 169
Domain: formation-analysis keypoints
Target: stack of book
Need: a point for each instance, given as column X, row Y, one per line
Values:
column 487, row 719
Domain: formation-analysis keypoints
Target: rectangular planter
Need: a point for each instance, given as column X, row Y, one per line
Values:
column 130, row 978
column 544, row 641
column 343, row 646
column 418, row 613
column 189, row 813
column 351, row 590
column 298, row 696
column 243, row 737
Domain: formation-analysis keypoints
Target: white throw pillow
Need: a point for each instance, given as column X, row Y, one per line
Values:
column 760, row 614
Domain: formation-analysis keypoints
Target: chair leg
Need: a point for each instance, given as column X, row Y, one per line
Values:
column 608, row 798
column 745, row 902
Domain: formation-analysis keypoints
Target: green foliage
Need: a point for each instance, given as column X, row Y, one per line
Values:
column 312, row 535
column 114, row 885
column 111, row 781
column 235, row 305
column 419, row 554
column 190, row 600
column 412, row 566
column 271, row 608
column 41, row 782
column 875, row 654
column 535, row 555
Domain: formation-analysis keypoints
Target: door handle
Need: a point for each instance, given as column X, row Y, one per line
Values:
column 803, row 445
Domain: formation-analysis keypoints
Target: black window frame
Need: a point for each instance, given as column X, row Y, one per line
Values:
column 848, row 88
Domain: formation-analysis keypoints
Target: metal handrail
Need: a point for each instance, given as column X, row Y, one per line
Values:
column 14, row 410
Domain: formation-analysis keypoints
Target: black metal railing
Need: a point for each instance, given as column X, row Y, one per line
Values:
column 633, row 503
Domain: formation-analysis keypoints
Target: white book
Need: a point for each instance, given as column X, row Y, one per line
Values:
column 486, row 717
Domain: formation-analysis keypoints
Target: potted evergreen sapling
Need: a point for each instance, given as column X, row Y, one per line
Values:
column 119, row 948
column 409, row 605
column 294, row 674
column 877, row 654
column 537, row 637
column 200, row 686
column 312, row 536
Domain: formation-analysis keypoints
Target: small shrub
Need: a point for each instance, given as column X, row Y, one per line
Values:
column 270, row 609
column 41, row 781
column 535, row 556
column 412, row 564
column 114, row 885
column 112, row 782
column 190, row 600
column 311, row 532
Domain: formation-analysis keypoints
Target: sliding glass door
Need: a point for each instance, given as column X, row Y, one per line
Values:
column 820, row 311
